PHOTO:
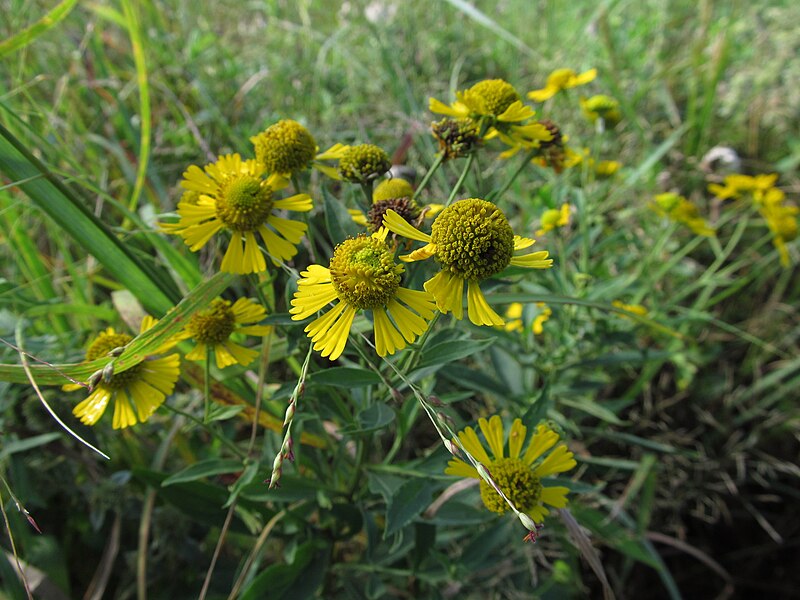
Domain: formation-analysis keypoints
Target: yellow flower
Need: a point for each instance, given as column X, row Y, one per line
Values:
column 602, row 107
column 561, row 79
column 362, row 275
column 234, row 196
column 494, row 105
column 514, row 314
column 213, row 327
column 679, row 209
column 136, row 392
column 606, row 168
column 553, row 218
column 472, row 241
column 519, row 475
column 782, row 222
column 737, row 184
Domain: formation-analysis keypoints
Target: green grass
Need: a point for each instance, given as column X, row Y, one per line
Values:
column 683, row 421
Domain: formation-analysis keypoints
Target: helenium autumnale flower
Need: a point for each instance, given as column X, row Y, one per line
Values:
column 472, row 241
column 561, row 79
column 212, row 328
column 519, row 474
column 287, row 148
column 136, row 392
column 362, row 275
column 235, row 196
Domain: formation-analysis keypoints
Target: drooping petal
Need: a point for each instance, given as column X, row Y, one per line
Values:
column 309, row 299
column 420, row 301
column 387, row 339
column 516, row 438
column 223, row 356
column 243, row 356
column 493, row 432
column 247, row 311
column 291, row 230
column 517, row 111
column 400, row 226
column 162, row 373
column 410, row 325
column 543, row 94
column 146, row 399
column 90, row 410
column 478, row 309
column 448, row 291
column 277, row 247
column 198, row 352
column 334, row 342
column 258, row 330
column 319, row 327
column 233, row 261
column 124, row 415
column 253, row 259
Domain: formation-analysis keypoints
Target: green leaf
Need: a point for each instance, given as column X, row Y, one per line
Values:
column 410, row 499
column 30, row 443
column 375, row 417
column 593, row 408
column 446, row 352
column 205, row 468
column 299, row 579
column 153, row 288
column 345, row 377
column 29, row 34
column 338, row 221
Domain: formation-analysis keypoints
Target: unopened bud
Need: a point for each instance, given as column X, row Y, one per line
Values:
column 108, row 372
column 290, row 410
column 435, row 401
column 452, row 448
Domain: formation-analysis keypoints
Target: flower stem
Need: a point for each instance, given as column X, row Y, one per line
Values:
column 434, row 167
column 207, row 384
column 461, row 178
column 528, row 157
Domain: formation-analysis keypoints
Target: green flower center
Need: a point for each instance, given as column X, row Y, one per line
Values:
column 285, row 147
column 363, row 163
column 518, row 483
column 244, row 203
column 495, row 95
column 363, row 272
column 213, row 325
column 105, row 343
column 473, row 239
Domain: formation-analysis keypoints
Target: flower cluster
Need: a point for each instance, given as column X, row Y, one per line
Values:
column 679, row 209
column 769, row 201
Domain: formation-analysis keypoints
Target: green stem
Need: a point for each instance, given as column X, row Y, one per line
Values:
column 207, row 384
column 209, row 429
column 434, row 167
column 461, row 179
column 528, row 157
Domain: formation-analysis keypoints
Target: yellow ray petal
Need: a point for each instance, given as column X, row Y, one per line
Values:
column 146, row 399
column 517, row 111
column 439, row 107
column 124, row 416
column 297, row 203
column 198, row 352
column 257, row 330
column 419, row 300
column 398, row 225
column 253, row 259
column 410, row 325
column 461, row 469
column 244, row 356
column 555, row 496
column 223, row 356
column 478, row 309
column 543, row 94
column 197, row 236
column 534, row 260
column 520, row 243
column 233, row 261
column 469, row 439
column 277, row 247
column 448, row 291
column 333, row 345
column 558, row 461
column 543, row 439
column 306, row 304
column 90, row 410
column 516, row 438
column 291, row 230
column 387, row 339
column 420, row 253
column 247, row 311
column 493, row 432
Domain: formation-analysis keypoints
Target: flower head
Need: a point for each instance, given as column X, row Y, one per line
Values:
column 457, row 137
column 362, row 275
column 518, row 475
column 285, row 148
column 138, row 391
column 388, row 189
column 235, row 196
column 554, row 218
column 471, row 240
column 561, row 79
column 602, row 107
column 363, row 163
column 679, row 209
column 737, row 185
column 211, row 328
